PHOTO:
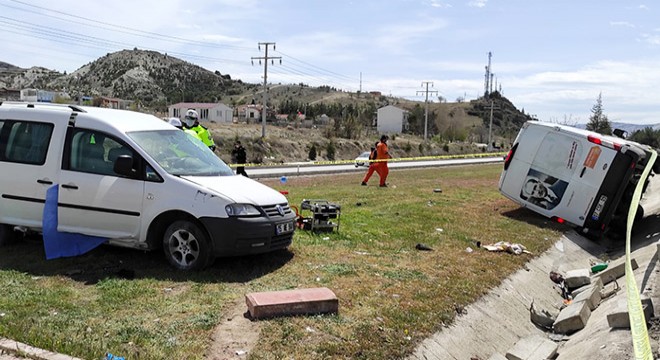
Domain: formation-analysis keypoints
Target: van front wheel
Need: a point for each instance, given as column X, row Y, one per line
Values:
column 186, row 246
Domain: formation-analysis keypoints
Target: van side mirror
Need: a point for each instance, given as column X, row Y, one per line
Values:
column 620, row 133
column 124, row 166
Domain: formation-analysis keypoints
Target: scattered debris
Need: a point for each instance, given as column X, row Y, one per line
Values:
column 241, row 352
column 437, row 190
column 439, row 229
column 423, row 247
column 430, row 203
column 516, row 249
column 604, row 294
column 561, row 284
column 469, row 250
column 598, row 267
column 541, row 318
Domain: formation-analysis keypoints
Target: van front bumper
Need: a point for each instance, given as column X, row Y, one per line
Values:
column 243, row 236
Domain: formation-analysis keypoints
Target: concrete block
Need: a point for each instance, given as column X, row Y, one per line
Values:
column 576, row 278
column 291, row 302
column 572, row 318
column 614, row 272
column 590, row 294
column 533, row 348
column 598, row 282
column 619, row 318
column 497, row 357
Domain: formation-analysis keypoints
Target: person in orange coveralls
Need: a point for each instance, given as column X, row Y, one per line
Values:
column 380, row 166
column 383, row 155
column 372, row 165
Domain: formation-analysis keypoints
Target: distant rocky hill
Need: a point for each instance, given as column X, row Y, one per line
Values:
column 154, row 80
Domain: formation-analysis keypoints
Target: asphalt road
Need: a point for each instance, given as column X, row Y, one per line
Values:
column 311, row 168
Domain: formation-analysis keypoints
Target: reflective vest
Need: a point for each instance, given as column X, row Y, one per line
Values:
column 192, row 133
column 204, row 135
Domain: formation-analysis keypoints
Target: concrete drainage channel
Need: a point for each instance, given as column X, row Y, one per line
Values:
column 498, row 326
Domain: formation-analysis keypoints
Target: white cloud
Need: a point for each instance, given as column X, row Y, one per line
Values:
column 643, row 7
column 477, row 3
column 439, row 4
column 651, row 39
column 396, row 37
column 621, row 23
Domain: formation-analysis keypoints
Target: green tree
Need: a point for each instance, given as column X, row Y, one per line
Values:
column 647, row 136
column 598, row 121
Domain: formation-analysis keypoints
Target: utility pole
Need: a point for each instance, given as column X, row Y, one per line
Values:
column 360, row 84
column 490, row 127
column 265, row 58
column 426, row 111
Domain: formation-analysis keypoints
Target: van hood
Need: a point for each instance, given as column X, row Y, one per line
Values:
column 239, row 189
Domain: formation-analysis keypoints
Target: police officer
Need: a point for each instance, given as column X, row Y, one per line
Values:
column 177, row 124
column 192, row 123
column 239, row 156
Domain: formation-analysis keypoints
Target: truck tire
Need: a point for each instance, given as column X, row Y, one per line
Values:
column 186, row 246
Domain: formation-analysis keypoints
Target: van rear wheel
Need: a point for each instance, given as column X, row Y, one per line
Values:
column 186, row 246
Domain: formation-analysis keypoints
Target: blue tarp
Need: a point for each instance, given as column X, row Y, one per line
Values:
column 62, row 244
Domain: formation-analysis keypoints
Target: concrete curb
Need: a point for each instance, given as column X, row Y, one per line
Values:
column 24, row 350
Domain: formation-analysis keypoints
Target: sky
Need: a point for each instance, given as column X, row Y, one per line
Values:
column 551, row 59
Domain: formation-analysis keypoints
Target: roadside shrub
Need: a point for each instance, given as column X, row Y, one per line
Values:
column 445, row 147
column 312, row 152
column 407, row 148
column 330, row 150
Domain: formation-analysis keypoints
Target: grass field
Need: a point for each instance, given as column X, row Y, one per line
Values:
column 391, row 296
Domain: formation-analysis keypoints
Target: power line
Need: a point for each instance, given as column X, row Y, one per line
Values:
column 122, row 29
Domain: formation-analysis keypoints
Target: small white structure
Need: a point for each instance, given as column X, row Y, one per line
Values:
column 391, row 120
column 36, row 95
column 215, row 112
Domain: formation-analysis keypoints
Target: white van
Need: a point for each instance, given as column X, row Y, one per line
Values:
column 134, row 180
column 573, row 175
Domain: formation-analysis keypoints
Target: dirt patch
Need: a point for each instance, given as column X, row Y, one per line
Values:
column 236, row 335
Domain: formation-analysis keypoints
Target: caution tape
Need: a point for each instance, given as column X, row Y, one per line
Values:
column 640, row 336
column 340, row 162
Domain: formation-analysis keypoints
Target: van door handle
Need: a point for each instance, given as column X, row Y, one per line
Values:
column 46, row 182
column 74, row 187
column 582, row 172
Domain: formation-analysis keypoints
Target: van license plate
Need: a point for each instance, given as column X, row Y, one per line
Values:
column 599, row 207
column 284, row 228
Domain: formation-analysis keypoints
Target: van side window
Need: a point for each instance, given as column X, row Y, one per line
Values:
column 95, row 152
column 27, row 142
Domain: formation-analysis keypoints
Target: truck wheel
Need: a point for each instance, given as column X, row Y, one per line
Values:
column 7, row 234
column 186, row 246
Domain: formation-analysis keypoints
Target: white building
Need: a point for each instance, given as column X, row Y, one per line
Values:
column 391, row 120
column 36, row 95
column 215, row 112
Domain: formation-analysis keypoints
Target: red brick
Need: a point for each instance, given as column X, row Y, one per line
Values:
column 291, row 302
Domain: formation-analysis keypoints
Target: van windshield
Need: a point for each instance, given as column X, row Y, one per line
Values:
column 179, row 153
